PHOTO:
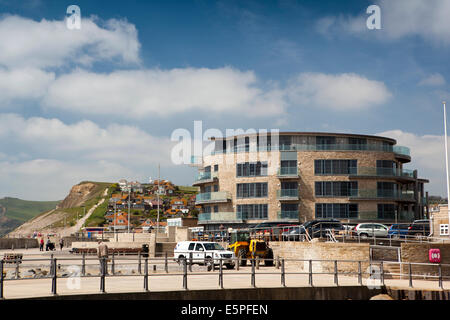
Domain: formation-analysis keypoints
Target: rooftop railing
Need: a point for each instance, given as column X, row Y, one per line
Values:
column 319, row 147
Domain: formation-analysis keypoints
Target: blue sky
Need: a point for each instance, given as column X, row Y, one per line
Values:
column 101, row 103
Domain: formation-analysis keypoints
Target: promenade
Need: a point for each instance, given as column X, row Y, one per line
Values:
column 128, row 279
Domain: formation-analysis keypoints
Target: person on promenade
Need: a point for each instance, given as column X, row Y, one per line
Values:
column 41, row 244
column 61, row 243
column 103, row 256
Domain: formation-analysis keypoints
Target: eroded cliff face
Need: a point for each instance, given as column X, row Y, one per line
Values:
column 78, row 194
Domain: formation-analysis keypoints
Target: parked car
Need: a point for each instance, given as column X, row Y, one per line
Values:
column 204, row 253
column 371, row 230
column 398, row 230
column 293, row 233
column 419, row 228
column 318, row 228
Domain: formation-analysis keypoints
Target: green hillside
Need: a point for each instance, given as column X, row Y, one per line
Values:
column 24, row 210
column 14, row 212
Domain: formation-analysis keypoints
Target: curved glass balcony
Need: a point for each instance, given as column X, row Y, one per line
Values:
column 205, row 177
column 215, row 217
column 213, row 197
column 382, row 194
column 401, row 150
column 384, row 172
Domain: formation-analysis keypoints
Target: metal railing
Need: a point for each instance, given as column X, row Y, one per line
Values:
column 324, row 271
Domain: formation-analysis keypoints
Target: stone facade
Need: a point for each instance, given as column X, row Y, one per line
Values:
column 227, row 180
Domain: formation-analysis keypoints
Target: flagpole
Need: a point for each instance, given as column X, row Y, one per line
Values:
column 159, row 179
column 446, row 161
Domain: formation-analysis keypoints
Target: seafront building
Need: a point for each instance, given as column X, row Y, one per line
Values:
column 299, row 176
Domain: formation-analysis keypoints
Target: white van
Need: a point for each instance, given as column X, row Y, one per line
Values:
column 204, row 253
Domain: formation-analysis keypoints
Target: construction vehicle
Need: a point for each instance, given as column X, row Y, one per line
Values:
column 244, row 247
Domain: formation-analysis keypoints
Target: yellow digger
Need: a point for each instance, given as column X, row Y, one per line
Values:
column 246, row 248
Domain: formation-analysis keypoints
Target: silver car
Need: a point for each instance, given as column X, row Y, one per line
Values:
column 371, row 230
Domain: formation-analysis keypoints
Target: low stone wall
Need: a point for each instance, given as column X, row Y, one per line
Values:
column 323, row 251
column 19, row 243
column 418, row 252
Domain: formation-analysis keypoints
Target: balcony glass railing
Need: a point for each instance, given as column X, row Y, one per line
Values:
column 386, row 172
column 217, row 216
column 213, row 196
column 320, row 147
column 287, row 171
column 206, row 176
column 287, row 193
column 378, row 193
column 288, row 214
column 402, row 216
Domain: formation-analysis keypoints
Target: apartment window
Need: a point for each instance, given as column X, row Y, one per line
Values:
column 252, row 211
column 206, row 209
column 337, row 210
column 443, row 230
column 331, row 167
column 289, row 185
column 251, row 169
column 252, row 190
column 216, row 208
column 386, row 211
column 336, row 188
column 357, row 143
column 386, row 189
column 289, row 207
column 325, row 143
column 216, row 188
column 216, row 167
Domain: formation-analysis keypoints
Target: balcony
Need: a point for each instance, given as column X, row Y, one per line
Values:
column 402, row 216
column 382, row 194
column 287, row 173
column 323, row 147
column 213, row 197
column 381, row 172
column 218, row 217
column 205, row 177
column 287, row 194
column 288, row 215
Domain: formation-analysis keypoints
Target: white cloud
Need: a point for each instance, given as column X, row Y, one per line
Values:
column 346, row 91
column 28, row 43
column 434, row 80
column 427, row 156
column 23, row 84
column 60, row 155
column 136, row 93
column 400, row 18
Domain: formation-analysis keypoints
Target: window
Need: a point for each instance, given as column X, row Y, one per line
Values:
column 325, row 143
column 331, row 167
column 216, row 208
column 252, row 211
column 357, row 143
column 199, row 247
column 336, row 188
column 386, row 211
column 216, row 188
column 443, row 230
column 191, row 246
column 251, row 169
column 337, row 210
column 216, row 167
column 251, row 190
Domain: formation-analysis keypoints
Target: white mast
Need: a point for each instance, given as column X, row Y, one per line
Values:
column 446, row 161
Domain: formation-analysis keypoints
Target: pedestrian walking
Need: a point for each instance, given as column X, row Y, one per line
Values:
column 41, row 244
column 61, row 243
column 103, row 257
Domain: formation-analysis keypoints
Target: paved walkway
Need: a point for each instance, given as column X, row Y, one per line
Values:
column 159, row 280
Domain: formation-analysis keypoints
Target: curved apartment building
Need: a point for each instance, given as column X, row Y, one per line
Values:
column 297, row 176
